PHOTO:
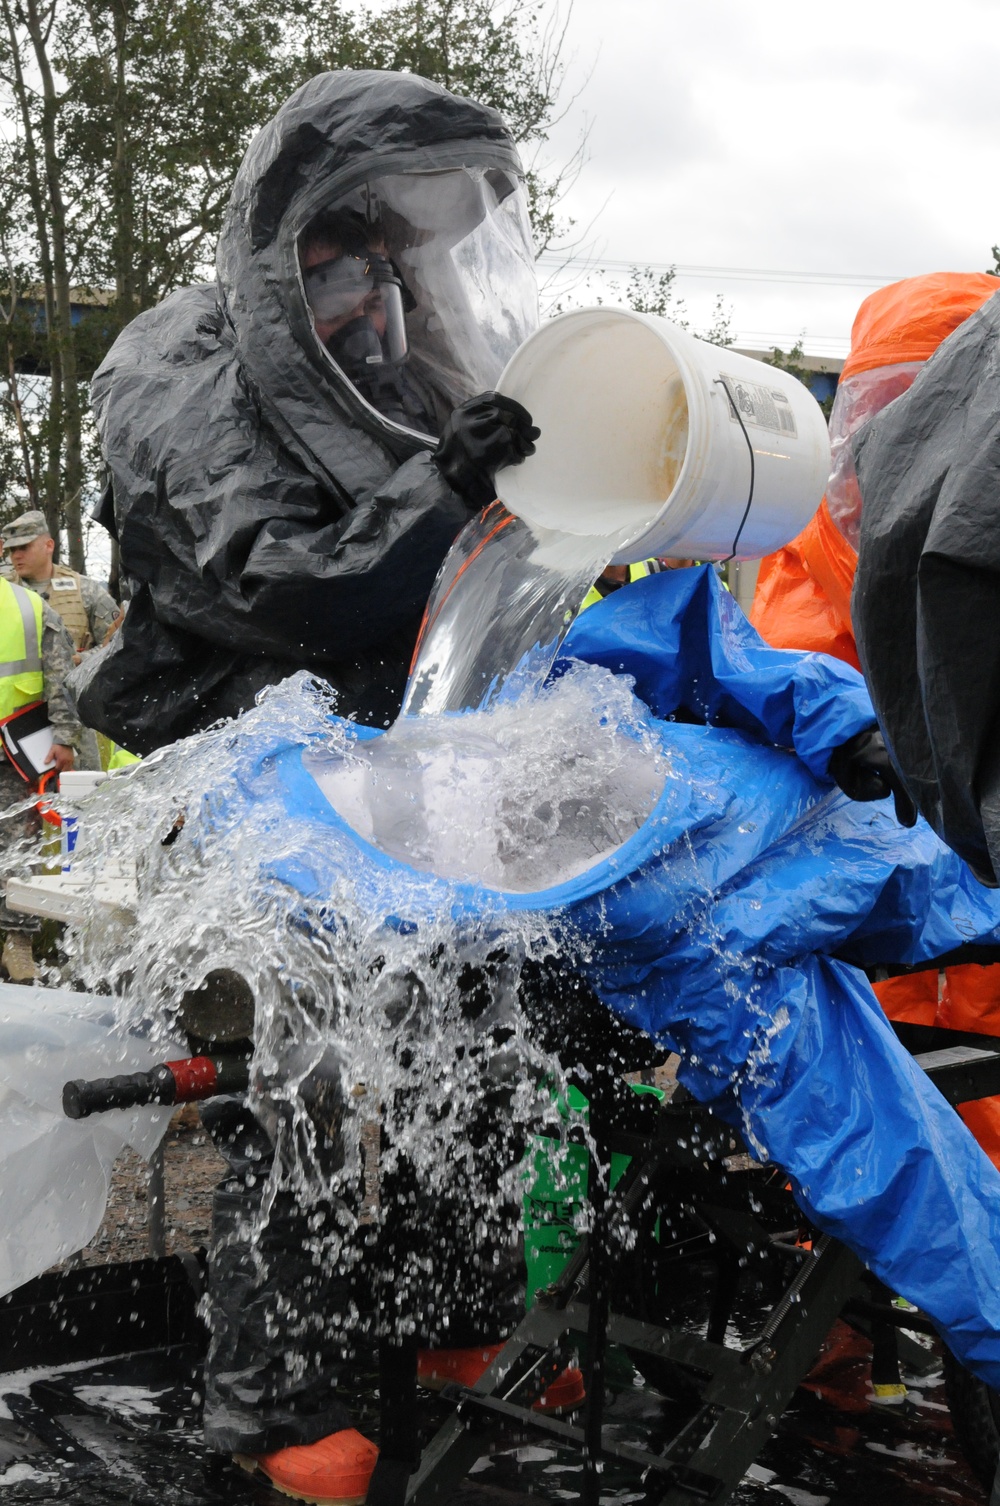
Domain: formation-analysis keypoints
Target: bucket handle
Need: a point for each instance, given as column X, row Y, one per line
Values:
column 721, row 382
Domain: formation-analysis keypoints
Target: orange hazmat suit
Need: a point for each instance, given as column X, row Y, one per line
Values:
column 803, row 596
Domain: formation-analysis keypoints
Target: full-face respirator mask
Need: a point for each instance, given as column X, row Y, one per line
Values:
column 421, row 286
column 360, row 293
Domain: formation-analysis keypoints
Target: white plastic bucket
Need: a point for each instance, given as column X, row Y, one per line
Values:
column 640, row 442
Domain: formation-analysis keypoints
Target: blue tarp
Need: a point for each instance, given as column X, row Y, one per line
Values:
column 721, row 929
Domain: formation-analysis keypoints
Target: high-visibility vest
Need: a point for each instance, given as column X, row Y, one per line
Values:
column 121, row 758
column 635, row 572
column 21, row 679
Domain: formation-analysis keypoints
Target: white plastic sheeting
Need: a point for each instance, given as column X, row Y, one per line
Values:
column 55, row 1172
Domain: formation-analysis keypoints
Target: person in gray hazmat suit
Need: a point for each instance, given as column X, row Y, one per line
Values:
column 291, row 450
column 926, row 602
column 290, row 454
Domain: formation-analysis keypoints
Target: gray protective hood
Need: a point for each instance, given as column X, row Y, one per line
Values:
column 268, row 519
column 340, row 130
column 926, row 603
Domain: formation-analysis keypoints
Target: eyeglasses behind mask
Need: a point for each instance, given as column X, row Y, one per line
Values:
column 363, row 287
column 359, row 303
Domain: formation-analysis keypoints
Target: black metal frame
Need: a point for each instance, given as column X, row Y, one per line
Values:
column 741, row 1393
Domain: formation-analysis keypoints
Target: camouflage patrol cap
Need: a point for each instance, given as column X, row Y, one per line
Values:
column 29, row 526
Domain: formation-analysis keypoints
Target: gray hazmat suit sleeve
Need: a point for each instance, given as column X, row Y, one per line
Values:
column 339, row 587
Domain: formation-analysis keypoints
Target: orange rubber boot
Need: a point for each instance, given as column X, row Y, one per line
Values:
column 334, row 1471
column 437, row 1368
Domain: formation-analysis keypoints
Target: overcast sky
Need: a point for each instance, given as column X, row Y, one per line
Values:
column 858, row 139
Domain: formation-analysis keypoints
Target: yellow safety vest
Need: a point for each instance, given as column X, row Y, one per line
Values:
column 635, row 572
column 121, row 758
column 21, row 679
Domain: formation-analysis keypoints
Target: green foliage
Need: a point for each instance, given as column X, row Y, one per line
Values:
column 181, row 89
column 994, row 271
column 792, row 362
column 650, row 290
column 489, row 50
column 720, row 331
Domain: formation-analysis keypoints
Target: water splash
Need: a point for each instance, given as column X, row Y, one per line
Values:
column 521, row 796
column 382, row 998
column 501, row 605
column 389, row 1017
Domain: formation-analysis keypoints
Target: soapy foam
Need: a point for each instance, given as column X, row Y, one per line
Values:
column 522, row 796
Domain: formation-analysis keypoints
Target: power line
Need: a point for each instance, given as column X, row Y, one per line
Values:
column 815, row 352
column 765, row 334
column 553, row 261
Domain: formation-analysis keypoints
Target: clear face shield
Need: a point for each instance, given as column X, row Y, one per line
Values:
column 421, row 287
column 858, row 399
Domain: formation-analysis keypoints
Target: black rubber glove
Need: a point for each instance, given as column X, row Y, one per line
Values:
column 863, row 769
column 480, row 438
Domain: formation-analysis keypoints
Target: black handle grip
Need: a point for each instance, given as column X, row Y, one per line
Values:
column 188, row 1080
column 82, row 1098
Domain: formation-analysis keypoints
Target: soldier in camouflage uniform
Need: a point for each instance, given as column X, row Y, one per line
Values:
column 86, row 607
column 57, row 661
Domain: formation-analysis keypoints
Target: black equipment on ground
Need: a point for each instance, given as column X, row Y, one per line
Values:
column 728, row 1216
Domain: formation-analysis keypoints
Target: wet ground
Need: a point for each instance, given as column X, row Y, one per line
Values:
column 126, row 1432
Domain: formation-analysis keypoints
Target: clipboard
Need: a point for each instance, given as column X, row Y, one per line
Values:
column 27, row 741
